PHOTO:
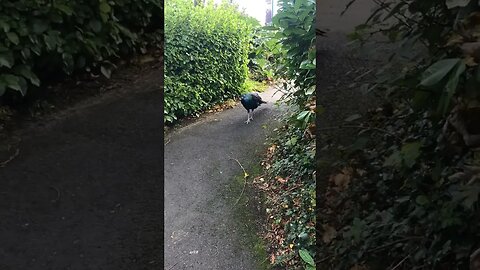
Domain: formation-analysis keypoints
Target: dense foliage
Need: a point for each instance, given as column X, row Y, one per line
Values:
column 41, row 39
column 206, row 56
column 290, row 183
column 406, row 195
column 262, row 55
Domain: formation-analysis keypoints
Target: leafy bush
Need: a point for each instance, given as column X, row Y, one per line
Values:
column 206, row 55
column 40, row 39
column 263, row 54
column 414, row 203
column 291, row 170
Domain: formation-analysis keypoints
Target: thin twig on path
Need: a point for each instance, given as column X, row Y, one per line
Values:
column 3, row 163
column 359, row 127
column 245, row 175
column 171, row 267
column 58, row 193
column 393, row 243
column 400, row 263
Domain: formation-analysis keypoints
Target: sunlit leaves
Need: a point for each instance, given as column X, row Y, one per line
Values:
column 206, row 56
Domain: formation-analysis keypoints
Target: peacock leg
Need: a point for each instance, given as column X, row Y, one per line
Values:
column 248, row 117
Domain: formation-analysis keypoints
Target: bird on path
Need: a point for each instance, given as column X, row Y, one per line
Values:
column 250, row 102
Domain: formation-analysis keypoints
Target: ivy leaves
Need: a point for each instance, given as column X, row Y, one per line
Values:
column 407, row 155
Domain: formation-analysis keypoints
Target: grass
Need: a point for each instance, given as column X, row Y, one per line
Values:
column 254, row 86
column 249, row 216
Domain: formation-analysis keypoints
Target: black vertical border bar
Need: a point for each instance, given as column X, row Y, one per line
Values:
column 318, row 181
column 162, row 136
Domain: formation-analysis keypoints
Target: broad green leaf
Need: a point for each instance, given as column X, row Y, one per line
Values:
column 23, row 85
column 307, row 64
column 468, row 195
column 96, row 25
column 410, row 152
column 12, row 36
column 357, row 228
column 104, row 16
column 126, row 32
column 353, row 117
column 6, row 59
column 421, row 200
column 436, row 72
column 106, row 71
column 40, row 26
column 28, row 74
column 451, row 86
column 306, row 257
column 471, row 196
column 456, row 3
column 105, row 7
column 292, row 141
column 68, row 62
column 302, row 115
column 5, row 26
column 395, row 159
column 14, row 82
column 310, row 91
column 51, row 41
column 65, row 9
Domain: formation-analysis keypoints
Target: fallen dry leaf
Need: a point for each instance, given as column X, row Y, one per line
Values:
column 361, row 172
column 342, row 180
column 329, row 233
column 281, row 180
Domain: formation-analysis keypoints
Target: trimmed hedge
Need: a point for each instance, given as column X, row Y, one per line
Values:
column 40, row 39
column 206, row 56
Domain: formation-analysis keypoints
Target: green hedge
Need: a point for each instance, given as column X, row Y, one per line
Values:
column 206, row 56
column 40, row 39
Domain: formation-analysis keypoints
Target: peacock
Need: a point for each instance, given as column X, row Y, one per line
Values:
column 250, row 102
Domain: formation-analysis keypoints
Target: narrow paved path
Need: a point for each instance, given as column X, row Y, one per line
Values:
column 202, row 228
column 339, row 66
column 85, row 190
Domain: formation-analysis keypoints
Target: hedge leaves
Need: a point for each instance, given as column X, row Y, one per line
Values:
column 206, row 56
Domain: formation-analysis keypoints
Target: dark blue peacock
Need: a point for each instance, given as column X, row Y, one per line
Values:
column 250, row 102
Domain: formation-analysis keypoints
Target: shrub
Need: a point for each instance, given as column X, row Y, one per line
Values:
column 262, row 55
column 292, row 166
column 39, row 39
column 206, row 55
column 414, row 204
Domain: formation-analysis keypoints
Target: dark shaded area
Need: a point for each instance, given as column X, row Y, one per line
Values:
column 85, row 191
